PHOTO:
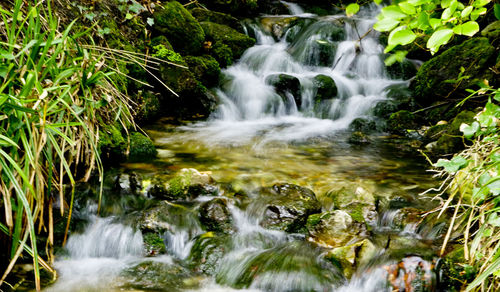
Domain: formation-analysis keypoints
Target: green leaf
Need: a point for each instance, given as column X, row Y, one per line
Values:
column 393, row 12
column 481, row 3
column 351, row 9
column 435, row 23
column 377, row 2
column 398, row 56
column 401, row 37
column 469, row 131
column 496, row 10
column 407, row 8
column 150, row 21
column 497, row 95
column 129, row 16
column 386, row 24
column 453, row 165
column 469, row 28
column 446, row 3
column 466, row 12
column 477, row 12
column 423, row 21
column 417, row 2
column 439, row 38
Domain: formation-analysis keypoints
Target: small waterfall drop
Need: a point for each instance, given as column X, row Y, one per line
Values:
column 307, row 76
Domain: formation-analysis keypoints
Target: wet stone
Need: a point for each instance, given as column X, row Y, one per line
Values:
column 215, row 215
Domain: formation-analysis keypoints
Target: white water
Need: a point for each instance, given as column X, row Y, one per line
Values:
column 250, row 107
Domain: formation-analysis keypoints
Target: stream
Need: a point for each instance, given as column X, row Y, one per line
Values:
column 282, row 130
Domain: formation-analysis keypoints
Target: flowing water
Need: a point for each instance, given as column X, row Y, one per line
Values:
column 261, row 134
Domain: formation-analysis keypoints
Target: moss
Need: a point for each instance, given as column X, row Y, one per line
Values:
column 399, row 122
column 218, row 33
column 160, row 51
column 112, row 145
column 154, row 244
column 141, row 147
column 402, row 70
column 492, row 31
column 326, row 87
column 180, row 27
column 161, row 40
column 148, row 106
column 475, row 56
column 205, row 69
column 223, row 54
column 221, row 18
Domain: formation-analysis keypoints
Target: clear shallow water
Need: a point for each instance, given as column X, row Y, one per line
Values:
column 258, row 137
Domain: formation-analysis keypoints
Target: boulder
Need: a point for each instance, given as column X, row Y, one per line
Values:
column 402, row 70
column 362, row 125
column 112, row 145
column 207, row 251
column 236, row 41
column 401, row 121
column 359, row 204
column 475, row 56
column 141, row 147
column 215, row 216
column 278, row 25
column 352, row 256
column 180, row 27
column 326, row 87
column 450, row 139
column 335, row 229
column 358, row 138
column 286, row 84
column 288, row 206
column 188, row 183
column 203, row 15
column 205, row 69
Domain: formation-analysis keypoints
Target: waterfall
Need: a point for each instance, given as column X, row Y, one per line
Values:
column 308, row 52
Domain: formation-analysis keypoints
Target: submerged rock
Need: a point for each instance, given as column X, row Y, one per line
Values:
column 188, row 183
column 335, row 229
column 287, row 207
column 215, row 215
column 180, row 27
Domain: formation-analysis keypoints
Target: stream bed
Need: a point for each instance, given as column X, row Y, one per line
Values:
column 271, row 193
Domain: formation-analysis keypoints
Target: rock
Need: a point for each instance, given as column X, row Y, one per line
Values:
column 207, row 251
column 148, row 106
column 218, row 33
column 359, row 204
column 141, row 147
column 362, row 125
column 188, row 183
column 352, row 256
column 358, row 138
column 401, row 121
column 233, row 7
column 335, row 229
column 287, row 207
column 215, row 216
column 153, row 244
column 278, row 25
column 406, row 216
column 286, row 84
column 127, row 184
column 402, row 70
column 205, row 69
column 475, row 55
column 385, row 108
column 111, row 144
column 492, row 31
column 326, row 87
column 164, row 217
column 434, row 132
column 156, row 275
column 203, row 15
column 179, row 26
column 452, row 274
column 450, row 140
column 223, row 54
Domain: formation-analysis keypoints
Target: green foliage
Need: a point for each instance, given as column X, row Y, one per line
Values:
column 53, row 94
column 352, row 9
column 434, row 21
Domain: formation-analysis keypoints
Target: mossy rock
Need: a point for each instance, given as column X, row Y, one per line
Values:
column 233, row 7
column 215, row 216
column 157, row 275
column 363, row 125
column 236, row 41
column 207, row 251
column 352, row 256
column 358, row 138
column 335, row 229
column 359, row 203
column 401, row 121
column 326, row 87
column 223, row 54
column 285, row 84
column 205, row 68
column 141, row 147
column 452, row 272
column 402, row 70
column 161, row 40
column 112, row 145
column 434, row 132
column 475, row 56
column 188, row 183
column 148, row 106
column 153, row 244
column 217, row 17
column 288, row 206
column 492, row 32
column 180, row 27
column 451, row 139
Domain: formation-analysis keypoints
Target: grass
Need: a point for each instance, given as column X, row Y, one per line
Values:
column 54, row 94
